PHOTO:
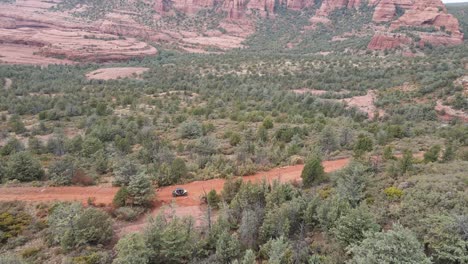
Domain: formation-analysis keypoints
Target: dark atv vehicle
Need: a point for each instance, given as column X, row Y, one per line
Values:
column 179, row 192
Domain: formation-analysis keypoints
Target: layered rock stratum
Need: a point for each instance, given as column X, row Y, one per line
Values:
column 65, row 31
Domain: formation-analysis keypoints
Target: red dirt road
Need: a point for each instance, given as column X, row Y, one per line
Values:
column 181, row 206
column 164, row 195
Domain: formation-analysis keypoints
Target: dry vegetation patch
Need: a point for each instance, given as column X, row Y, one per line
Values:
column 116, row 73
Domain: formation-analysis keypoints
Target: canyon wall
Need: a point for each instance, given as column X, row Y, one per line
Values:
column 120, row 34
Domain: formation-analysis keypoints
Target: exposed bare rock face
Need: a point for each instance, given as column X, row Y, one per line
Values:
column 382, row 41
column 426, row 18
column 30, row 33
column 41, row 29
column 329, row 6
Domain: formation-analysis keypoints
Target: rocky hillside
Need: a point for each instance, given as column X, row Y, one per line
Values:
column 102, row 30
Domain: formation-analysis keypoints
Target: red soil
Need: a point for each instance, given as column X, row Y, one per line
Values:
column 365, row 103
column 164, row 195
column 449, row 113
column 116, row 73
column 182, row 206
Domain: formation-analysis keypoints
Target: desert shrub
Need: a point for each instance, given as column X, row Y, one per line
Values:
column 227, row 247
column 140, row 191
column 446, row 237
column 71, row 225
column 398, row 245
column 23, row 167
column 406, row 162
column 35, row 146
column 10, row 259
column 61, row 172
column 30, row 252
column 16, row 125
column 178, row 170
column 101, row 162
column 363, row 144
column 234, row 139
column 124, row 171
column 352, row 182
column 123, row 144
column 92, row 258
column 286, row 133
column 249, row 257
column 128, row 213
column 91, row 145
column 190, row 129
column 12, row 146
column 81, row 178
column 432, row 155
column 230, row 188
column 353, row 227
column 213, row 199
column 249, row 227
column 171, row 241
column 393, row 193
column 13, row 221
column 328, row 140
column 449, row 153
column 56, row 145
column 267, row 123
column 313, row 172
column 329, row 211
column 283, row 220
column 121, row 197
column 131, row 249
column 277, row 251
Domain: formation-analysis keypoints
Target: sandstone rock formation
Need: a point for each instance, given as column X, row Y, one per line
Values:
column 418, row 16
column 382, row 41
column 121, row 33
column 31, row 27
column 329, row 6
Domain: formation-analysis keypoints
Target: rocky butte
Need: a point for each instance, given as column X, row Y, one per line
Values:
column 69, row 31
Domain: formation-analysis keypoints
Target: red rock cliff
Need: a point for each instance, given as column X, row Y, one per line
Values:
column 417, row 15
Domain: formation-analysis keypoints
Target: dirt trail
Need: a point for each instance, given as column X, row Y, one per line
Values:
column 196, row 189
column 182, row 206
column 164, row 202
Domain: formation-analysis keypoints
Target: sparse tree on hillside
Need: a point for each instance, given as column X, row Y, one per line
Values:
column 178, row 170
column 12, row 146
column 406, row 162
column 249, row 257
column 124, row 171
column 23, row 167
column 328, row 140
column 432, row 155
column 351, row 183
column 140, row 190
column 62, row 171
column 227, row 247
column 352, row 227
column 363, row 144
column 280, row 251
column 398, row 245
column 190, row 129
column 16, row 125
column 131, row 249
column 313, row 172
